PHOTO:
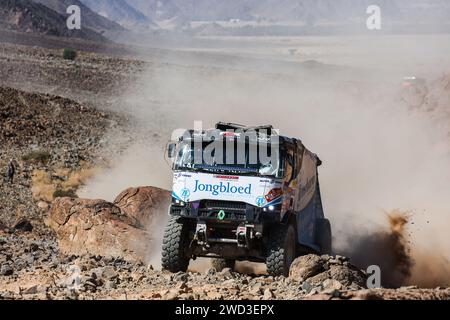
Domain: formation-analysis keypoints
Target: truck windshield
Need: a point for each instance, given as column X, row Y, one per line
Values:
column 255, row 160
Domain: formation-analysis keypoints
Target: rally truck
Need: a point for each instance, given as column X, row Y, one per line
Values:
column 244, row 210
column 414, row 91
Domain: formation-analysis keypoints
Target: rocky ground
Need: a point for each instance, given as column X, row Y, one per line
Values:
column 32, row 268
column 53, row 142
column 89, row 79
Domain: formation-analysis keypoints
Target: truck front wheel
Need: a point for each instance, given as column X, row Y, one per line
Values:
column 175, row 242
column 281, row 249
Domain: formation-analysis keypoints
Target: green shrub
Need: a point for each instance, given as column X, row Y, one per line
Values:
column 69, row 54
column 37, row 156
column 64, row 193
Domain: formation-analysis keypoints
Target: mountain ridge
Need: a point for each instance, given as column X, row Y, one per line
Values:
column 89, row 18
column 268, row 11
column 31, row 17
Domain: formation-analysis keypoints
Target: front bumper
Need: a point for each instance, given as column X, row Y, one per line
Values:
column 225, row 212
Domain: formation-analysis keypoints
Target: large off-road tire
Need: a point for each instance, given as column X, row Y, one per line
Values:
column 175, row 242
column 281, row 249
column 323, row 236
column 220, row 264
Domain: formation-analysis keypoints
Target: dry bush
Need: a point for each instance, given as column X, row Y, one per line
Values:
column 64, row 193
column 41, row 156
column 43, row 187
column 70, row 54
column 62, row 172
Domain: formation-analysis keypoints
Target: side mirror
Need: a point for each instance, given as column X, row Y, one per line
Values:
column 171, row 148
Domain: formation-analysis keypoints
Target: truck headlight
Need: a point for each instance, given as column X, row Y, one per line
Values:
column 272, row 208
column 179, row 202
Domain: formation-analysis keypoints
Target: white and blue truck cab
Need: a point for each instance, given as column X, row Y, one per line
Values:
column 229, row 203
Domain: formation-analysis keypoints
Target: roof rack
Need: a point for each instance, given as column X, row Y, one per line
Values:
column 224, row 126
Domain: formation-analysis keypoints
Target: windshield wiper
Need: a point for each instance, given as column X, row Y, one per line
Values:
column 226, row 169
column 232, row 170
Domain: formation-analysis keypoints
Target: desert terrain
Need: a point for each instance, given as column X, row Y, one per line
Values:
column 84, row 215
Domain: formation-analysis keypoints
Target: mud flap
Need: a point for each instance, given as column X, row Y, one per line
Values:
column 307, row 220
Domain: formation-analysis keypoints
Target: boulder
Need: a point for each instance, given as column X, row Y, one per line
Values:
column 332, row 284
column 345, row 275
column 97, row 227
column 326, row 272
column 305, row 267
column 117, row 230
column 43, row 205
column 6, row 270
column 144, row 204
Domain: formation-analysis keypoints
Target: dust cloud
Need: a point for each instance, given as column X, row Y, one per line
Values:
column 378, row 153
column 389, row 248
column 141, row 164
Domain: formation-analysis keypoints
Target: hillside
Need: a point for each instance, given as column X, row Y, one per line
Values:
column 270, row 17
column 27, row 16
column 300, row 10
column 157, row 10
column 209, row 10
column 121, row 12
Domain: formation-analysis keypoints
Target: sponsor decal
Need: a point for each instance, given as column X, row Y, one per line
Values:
column 179, row 175
column 226, row 177
column 260, row 201
column 188, row 186
column 273, row 194
column 185, row 193
column 222, row 188
column 230, row 134
column 277, row 201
